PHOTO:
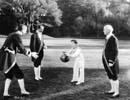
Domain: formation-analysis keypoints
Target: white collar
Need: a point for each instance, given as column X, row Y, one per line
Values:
column 38, row 32
column 109, row 35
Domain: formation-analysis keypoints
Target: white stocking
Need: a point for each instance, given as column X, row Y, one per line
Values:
column 22, row 86
column 36, row 72
column 6, row 88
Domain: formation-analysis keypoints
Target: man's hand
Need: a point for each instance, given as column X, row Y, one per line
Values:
column 110, row 64
column 34, row 55
column 10, row 51
column 45, row 47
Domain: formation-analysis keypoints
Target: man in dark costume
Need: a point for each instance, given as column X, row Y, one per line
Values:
column 110, row 60
column 37, row 45
column 12, row 46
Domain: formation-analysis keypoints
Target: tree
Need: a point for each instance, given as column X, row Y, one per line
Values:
column 27, row 11
column 95, row 14
column 79, row 25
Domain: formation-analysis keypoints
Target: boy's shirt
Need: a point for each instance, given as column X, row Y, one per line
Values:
column 77, row 53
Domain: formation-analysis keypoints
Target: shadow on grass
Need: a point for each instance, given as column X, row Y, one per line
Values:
column 54, row 80
column 57, row 82
column 56, row 85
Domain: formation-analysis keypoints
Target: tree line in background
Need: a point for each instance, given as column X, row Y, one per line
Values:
column 27, row 12
column 80, row 18
column 84, row 18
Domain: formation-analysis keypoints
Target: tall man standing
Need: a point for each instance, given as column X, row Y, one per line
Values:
column 110, row 60
column 12, row 46
column 37, row 45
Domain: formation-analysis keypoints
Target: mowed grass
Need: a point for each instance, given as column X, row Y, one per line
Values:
column 92, row 50
column 56, row 85
column 57, row 75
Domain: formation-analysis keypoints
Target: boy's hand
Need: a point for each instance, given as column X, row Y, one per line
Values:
column 66, row 53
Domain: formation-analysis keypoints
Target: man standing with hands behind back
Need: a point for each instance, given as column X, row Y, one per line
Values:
column 110, row 60
column 37, row 45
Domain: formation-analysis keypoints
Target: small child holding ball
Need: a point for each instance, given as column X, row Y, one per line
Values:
column 78, row 68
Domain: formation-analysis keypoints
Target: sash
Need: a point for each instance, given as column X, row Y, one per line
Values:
column 106, row 41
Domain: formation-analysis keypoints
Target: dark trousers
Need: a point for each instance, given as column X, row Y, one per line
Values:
column 114, row 69
column 15, row 71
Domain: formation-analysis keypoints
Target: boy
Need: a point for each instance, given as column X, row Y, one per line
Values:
column 78, row 69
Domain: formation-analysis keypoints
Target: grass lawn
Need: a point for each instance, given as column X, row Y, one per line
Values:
column 57, row 75
column 56, row 85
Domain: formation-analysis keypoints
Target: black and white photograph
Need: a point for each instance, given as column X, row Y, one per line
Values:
column 64, row 49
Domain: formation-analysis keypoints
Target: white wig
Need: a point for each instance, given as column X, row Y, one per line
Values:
column 109, row 27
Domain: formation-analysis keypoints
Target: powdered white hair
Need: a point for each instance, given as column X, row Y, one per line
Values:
column 109, row 27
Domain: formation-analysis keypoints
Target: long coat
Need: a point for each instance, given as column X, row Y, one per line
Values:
column 36, row 45
column 13, row 43
column 110, row 53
